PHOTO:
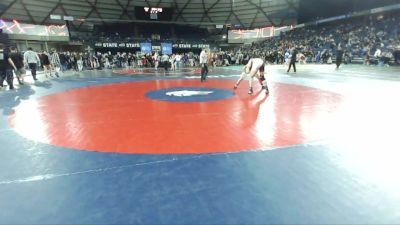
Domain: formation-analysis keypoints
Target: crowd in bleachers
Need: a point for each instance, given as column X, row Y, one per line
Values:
column 374, row 40
column 54, row 63
column 370, row 40
column 88, row 61
column 146, row 33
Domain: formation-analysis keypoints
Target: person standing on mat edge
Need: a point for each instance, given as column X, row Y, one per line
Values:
column 339, row 57
column 32, row 59
column 18, row 61
column 204, row 64
column 56, row 64
column 6, row 67
column 293, row 60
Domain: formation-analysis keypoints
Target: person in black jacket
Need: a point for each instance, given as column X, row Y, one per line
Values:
column 18, row 61
column 396, row 55
column 339, row 57
column 293, row 60
column 6, row 67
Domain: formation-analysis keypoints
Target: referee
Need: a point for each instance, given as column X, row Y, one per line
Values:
column 293, row 60
column 339, row 57
column 204, row 64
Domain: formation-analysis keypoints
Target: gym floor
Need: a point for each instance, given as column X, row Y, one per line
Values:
column 142, row 146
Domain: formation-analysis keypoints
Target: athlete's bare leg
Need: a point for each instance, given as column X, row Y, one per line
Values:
column 263, row 82
column 240, row 80
column 252, row 75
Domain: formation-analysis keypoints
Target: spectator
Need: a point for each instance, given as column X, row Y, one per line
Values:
column 18, row 61
column 32, row 59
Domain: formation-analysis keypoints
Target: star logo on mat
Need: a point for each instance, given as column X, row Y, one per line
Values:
column 187, row 93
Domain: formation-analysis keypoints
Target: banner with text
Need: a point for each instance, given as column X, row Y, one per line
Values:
column 240, row 36
column 23, row 31
column 139, row 45
column 166, row 48
column 145, row 48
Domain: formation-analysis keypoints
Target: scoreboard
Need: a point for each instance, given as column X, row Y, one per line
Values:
column 240, row 36
column 153, row 13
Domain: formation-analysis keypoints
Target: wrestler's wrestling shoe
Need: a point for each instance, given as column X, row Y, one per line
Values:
column 250, row 91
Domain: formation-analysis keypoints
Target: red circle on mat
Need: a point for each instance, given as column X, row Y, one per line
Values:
column 119, row 118
column 152, row 71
